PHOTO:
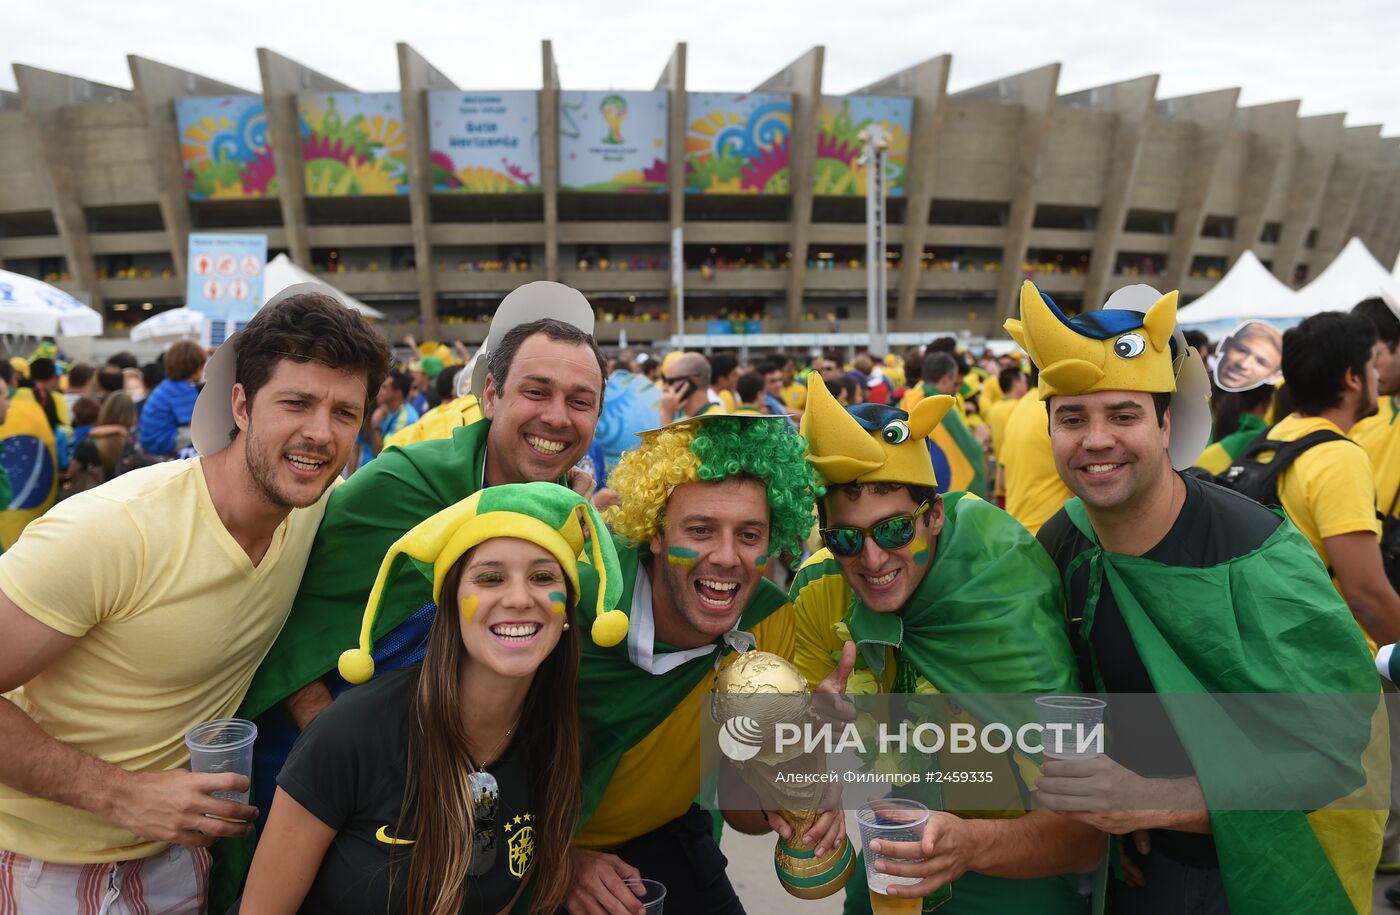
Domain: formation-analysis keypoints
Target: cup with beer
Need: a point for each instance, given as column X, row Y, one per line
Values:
column 890, row 820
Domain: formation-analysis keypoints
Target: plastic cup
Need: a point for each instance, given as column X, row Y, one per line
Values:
column 891, row 819
column 223, row 745
column 651, row 893
column 1081, row 713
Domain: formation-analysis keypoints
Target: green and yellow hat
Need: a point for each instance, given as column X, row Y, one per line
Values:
column 871, row 442
column 543, row 513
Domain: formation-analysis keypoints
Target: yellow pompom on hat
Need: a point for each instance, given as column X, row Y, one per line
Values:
column 546, row 514
column 871, row 443
column 1106, row 350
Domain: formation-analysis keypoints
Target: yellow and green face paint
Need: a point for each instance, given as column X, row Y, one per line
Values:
column 761, row 563
column 557, row 602
column 468, row 606
column 920, row 547
column 680, row 556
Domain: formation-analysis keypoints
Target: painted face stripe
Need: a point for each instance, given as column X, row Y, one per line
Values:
column 680, row 556
column 557, row 602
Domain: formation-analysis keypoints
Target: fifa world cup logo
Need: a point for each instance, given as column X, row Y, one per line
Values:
column 613, row 109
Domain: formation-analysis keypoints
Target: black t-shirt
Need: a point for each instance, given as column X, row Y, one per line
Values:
column 1215, row 526
column 348, row 769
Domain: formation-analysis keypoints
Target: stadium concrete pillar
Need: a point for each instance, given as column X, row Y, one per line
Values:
column 802, row 79
column 1371, row 210
column 9, row 101
column 672, row 81
column 1034, row 92
column 1319, row 138
column 416, row 78
column 282, row 79
column 1355, row 159
column 549, row 159
column 1271, row 131
column 1131, row 104
column 1213, row 113
column 157, row 86
column 1387, row 227
column 927, row 84
column 43, row 96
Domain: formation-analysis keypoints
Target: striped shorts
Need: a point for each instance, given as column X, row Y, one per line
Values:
column 171, row 882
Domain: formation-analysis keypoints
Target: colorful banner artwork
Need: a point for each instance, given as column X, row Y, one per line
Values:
column 484, row 142
column 738, row 144
column 353, row 144
column 612, row 141
column 225, row 147
column 839, row 123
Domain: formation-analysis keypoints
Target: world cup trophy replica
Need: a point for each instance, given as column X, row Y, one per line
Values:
column 752, row 696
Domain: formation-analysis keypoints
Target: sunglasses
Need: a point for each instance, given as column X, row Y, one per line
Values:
column 889, row 534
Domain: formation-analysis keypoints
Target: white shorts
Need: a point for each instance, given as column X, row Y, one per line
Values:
column 172, row 882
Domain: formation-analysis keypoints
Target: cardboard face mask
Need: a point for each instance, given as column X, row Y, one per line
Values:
column 1251, row 356
column 871, row 443
column 1108, row 350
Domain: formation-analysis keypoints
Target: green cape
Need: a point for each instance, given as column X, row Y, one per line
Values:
column 987, row 618
column 1267, row 622
column 625, row 703
column 1249, row 429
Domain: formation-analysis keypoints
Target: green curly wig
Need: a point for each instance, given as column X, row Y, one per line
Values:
column 713, row 450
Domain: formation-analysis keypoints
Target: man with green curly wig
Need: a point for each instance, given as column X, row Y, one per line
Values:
column 706, row 504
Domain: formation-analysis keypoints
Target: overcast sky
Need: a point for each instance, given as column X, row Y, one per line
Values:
column 1334, row 57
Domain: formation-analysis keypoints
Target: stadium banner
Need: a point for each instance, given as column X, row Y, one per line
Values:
column 840, row 120
column 353, row 144
column 225, row 147
column 484, row 142
column 738, row 144
column 612, row 141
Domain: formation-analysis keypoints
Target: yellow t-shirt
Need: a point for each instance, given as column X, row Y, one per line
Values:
column 1034, row 490
column 997, row 414
column 795, row 397
column 730, row 404
column 1329, row 490
column 657, row 780
column 171, row 619
column 438, row 422
column 1380, row 436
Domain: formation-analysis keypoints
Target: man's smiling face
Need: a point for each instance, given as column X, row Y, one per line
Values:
column 542, row 417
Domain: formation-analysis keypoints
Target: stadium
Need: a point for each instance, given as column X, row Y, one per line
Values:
column 430, row 201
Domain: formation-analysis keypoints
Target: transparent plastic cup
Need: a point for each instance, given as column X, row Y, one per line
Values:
column 890, row 819
column 651, row 893
column 223, row 745
column 1080, row 713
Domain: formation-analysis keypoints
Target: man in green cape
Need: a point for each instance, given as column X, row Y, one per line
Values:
column 940, row 594
column 1176, row 586
column 705, row 502
column 540, row 381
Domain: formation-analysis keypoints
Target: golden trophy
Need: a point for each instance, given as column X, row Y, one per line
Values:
column 742, row 694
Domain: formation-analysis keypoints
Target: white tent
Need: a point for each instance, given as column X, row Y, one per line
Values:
column 169, row 326
column 30, row 308
column 1352, row 276
column 1248, row 292
column 281, row 273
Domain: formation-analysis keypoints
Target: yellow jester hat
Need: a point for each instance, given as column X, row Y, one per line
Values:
column 1107, row 350
column 870, row 442
column 543, row 513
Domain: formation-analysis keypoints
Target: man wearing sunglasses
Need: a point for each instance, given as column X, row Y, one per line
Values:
column 946, row 594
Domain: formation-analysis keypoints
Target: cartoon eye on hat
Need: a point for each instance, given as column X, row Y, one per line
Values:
column 896, row 432
column 1129, row 345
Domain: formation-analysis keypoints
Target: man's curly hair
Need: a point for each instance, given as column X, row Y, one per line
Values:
column 711, row 451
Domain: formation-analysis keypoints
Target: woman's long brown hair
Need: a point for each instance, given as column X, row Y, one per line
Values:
column 438, row 798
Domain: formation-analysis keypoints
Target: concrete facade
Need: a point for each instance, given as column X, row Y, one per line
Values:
column 1084, row 192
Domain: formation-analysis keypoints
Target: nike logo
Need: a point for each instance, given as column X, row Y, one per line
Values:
column 383, row 836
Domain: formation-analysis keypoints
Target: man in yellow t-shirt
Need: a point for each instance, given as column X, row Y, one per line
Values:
column 1013, row 385
column 111, row 657
column 1034, row 490
column 1380, row 434
column 1329, row 364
